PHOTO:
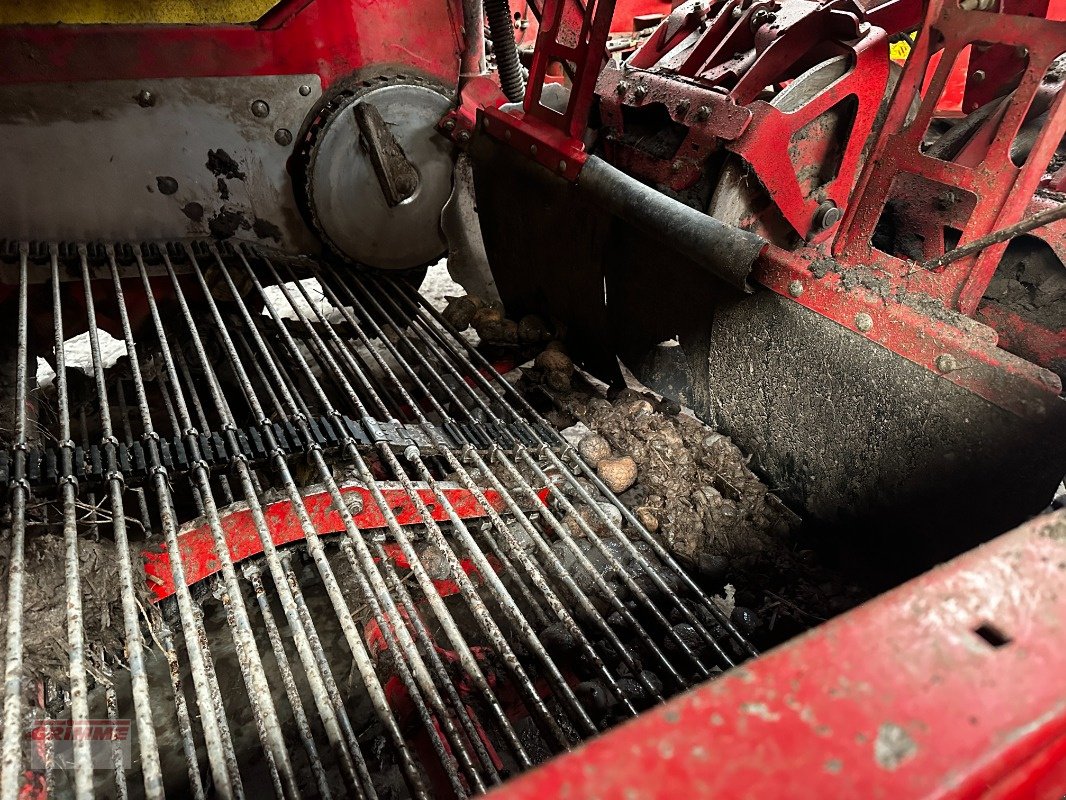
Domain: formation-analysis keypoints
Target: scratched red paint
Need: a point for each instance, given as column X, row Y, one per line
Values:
column 200, row 558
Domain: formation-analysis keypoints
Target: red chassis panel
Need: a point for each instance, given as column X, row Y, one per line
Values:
column 331, row 38
column 950, row 686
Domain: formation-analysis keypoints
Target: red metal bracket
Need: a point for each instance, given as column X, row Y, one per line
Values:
column 989, row 191
column 573, row 35
column 200, row 558
column 950, row 686
column 706, row 69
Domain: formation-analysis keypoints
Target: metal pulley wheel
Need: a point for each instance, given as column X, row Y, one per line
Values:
column 379, row 174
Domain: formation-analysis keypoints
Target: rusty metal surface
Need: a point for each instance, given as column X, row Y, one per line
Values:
column 194, row 157
column 951, row 686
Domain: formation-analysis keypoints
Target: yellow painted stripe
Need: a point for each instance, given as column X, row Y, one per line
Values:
column 132, row 12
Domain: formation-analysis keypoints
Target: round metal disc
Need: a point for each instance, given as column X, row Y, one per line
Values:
column 347, row 204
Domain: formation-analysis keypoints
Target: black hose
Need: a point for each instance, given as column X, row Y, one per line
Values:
column 501, row 31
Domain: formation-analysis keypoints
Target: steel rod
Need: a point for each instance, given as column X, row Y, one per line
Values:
column 11, row 744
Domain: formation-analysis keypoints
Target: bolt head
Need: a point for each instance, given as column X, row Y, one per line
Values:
column 682, row 108
column 795, row 288
column 827, row 215
column 463, row 137
column 260, row 109
column 945, row 362
column 562, row 166
column 449, row 125
column 676, row 166
column 703, row 112
column 622, row 87
column 978, row 76
column 305, row 90
column 532, row 149
column 145, row 99
column 864, row 322
column 761, row 17
column 283, row 136
column 640, row 92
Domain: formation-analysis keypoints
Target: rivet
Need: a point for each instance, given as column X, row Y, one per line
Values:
column 145, row 99
column 978, row 75
column 305, row 90
column 260, row 109
column 463, row 137
column 283, row 136
column 795, row 288
column 562, row 166
column 864, row 322
column 532, row 149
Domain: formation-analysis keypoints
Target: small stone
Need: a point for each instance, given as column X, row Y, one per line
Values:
column 594, row 449
column 486, row 316
column 557, row 380
column 557, row 639
column 713, row 566
column 508, row 331
column 638, row 408
column 531, row 329
column 460, row 312
column 646, row 517
column 592, row 696
column 744, row 619
column 618, row 473
column 683, row 635
column 435, row 563
column 669, row 406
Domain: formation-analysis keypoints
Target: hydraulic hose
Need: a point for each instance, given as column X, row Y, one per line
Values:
column 501, row 31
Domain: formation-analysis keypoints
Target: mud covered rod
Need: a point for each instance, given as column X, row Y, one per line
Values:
column 725, row 251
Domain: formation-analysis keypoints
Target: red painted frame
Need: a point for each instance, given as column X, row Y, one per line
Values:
column 329, row 38
column 950, row 686
column 1001, row 190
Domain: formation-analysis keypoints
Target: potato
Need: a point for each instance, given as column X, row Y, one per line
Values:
column 618, row 473
column 554, row 361
column 594, row 448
